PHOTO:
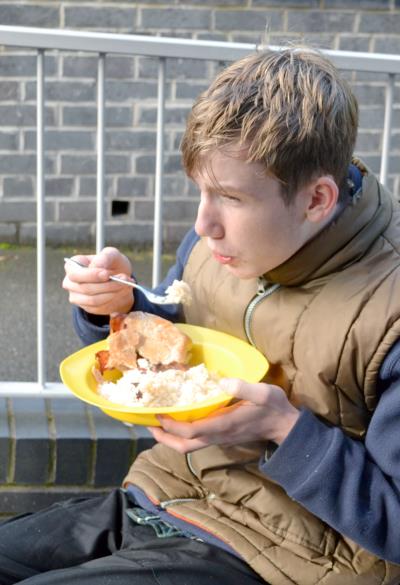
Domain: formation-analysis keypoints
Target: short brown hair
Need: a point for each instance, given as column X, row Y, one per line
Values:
column 290, row 110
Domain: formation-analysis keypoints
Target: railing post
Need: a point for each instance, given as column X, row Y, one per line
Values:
column 40, row 223
column 100, row 196
column 387, row 128
column 157, row 236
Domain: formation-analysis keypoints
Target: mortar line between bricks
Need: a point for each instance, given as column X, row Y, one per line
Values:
column 13, row 442
column 51, row 475
column 93, row 450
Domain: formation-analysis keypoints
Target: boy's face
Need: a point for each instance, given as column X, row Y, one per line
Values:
column 248, row 227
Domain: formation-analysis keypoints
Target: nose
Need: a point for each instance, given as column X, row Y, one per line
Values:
column 208, row 223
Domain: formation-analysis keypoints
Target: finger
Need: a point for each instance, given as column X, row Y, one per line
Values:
column 92, row 287
column 217, row 423
column 177, row 443
column 106, row 258
column 256, row 393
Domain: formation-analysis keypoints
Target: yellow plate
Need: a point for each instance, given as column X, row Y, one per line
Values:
column 224, row 354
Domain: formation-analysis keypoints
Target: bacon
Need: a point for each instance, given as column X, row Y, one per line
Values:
column 117, row 322
column 102, row 360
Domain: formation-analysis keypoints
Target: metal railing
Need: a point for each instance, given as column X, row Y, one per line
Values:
column 161, row 47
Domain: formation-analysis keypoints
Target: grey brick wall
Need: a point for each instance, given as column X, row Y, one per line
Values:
column 57, row 449
column 131, row 87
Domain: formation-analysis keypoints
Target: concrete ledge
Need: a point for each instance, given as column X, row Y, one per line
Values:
column 54, row 449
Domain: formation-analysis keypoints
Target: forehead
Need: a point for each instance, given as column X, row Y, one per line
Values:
column 228, row 170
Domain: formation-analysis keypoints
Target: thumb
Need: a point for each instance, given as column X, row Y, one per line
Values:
column 104, row 259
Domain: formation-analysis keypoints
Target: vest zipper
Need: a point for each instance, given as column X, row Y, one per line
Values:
column 263, row 292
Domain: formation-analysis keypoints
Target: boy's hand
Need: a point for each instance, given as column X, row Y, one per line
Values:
column 263, row 413
column 90, row 289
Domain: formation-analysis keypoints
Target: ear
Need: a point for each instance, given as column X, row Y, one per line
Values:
column 322, row 200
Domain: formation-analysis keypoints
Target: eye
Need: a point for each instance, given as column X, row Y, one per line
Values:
column 229, row 197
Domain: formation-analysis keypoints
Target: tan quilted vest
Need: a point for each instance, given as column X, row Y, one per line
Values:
column 338, row 291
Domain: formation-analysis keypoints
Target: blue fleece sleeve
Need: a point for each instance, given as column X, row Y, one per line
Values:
column 92, row 328
column 353, row 486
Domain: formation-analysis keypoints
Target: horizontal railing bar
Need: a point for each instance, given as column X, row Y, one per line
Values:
column 42, row 38
column 34, row 389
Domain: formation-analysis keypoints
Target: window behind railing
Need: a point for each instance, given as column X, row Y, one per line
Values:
column 162, row 49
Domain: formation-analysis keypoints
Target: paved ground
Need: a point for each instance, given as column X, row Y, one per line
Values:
column 18, row 311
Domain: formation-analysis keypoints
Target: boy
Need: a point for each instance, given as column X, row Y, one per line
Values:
column 295, row 248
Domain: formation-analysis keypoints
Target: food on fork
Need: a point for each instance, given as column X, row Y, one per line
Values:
column 179, row 292
column 153, row 355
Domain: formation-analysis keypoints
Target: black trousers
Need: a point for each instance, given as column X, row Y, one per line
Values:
column 92, row 541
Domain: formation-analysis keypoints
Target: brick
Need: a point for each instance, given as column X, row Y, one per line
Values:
column 189, row 91
column 59, row 234
column 374, row 163
column 22, row 500
column 378, row 22
column 172, row 115
column 23, row 115
column 121, row 91
column 24, row 65
column 17, row 210
column 87, row 116
column 212, row 3
column 211, row 36
column 172, row 210
column 175, row 186
column 175, row 18
column 120, row 67
column 18, row 186
column 287, row 3
column 146, row 164
column 130, row 140
column 10, row 91
column 65, row 140
column 117, row 67
column 353, row 43
column 77, row 210
column 358, row 4
column 176, row 139
column 371, row 118
column 248, row 20
column 313, row 20
column 368, row 141
column 60, row 186
column 387, row 44
column 40, row 15
column 88, row 186
column 74, row 445
column 395, row 141
column 132, row 187
column 118, row 234
column 369, row 95
column 86, row 165
column 8, row 233
column 174, row 232
column 32, row 450
column 175, row 69
column 21, row 164
column 5, row 441
column 8, row 140
column 65, row 91
column 114, row 449
column 99, row 17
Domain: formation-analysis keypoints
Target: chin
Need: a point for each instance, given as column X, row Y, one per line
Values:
column 243, row 272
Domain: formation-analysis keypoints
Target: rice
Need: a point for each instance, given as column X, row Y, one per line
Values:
column 171, row 387
column 179, row 292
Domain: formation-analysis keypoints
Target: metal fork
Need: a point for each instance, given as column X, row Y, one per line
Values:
column 153, row 298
